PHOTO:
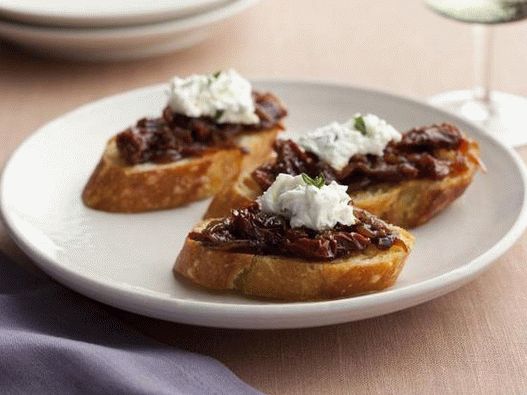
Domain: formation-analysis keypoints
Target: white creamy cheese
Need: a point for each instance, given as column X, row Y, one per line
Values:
column 225, row 96
column 337, row 142
column 307, row 205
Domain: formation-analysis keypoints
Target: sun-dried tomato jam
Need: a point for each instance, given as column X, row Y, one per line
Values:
column 431, row 152
column 174, row 136
column 250, row 230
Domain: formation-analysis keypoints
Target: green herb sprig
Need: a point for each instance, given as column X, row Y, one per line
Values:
column 360, row 125
column 218, row 114
column 213, row 77
column 319, row 181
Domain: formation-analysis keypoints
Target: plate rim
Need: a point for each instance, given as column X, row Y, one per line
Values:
column 99, row 19
column 201, row 311
column 206, row 18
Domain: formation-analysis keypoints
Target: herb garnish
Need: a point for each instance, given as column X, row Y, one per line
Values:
column 218, row 114
column 318, row 181
column 216, row 74
column 360, row 125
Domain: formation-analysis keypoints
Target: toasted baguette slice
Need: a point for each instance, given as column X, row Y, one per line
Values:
column 236, row 195
column 293, row 279
column 407, row 204
column 118, row 187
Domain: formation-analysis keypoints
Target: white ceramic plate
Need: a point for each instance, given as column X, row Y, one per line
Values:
column 97, row 13
column 126, row 260
column 120, row 43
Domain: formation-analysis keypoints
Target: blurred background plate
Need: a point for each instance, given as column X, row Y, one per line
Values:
column 98, row 13
column 120, row 43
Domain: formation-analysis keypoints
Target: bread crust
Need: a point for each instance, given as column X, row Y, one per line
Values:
column 406, row 204
column 236, row 195
column 293, row 279
column 115, row 186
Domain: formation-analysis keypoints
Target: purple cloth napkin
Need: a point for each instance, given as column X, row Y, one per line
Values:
column 54, row 341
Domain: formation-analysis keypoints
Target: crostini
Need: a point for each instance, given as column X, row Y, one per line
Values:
column 403, row 178
column 301, row 240
column 212, row 127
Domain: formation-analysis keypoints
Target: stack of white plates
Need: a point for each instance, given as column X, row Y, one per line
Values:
column 112, row 29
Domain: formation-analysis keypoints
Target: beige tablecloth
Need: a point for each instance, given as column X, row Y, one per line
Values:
column 473, row 340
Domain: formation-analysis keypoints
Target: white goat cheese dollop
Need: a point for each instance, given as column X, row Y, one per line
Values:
column 225, row 96
column 307, row 205
column 337, row 142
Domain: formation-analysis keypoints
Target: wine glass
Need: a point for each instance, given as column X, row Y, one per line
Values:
column 500, row 114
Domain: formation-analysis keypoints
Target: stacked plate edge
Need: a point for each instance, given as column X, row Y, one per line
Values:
column 101, row 30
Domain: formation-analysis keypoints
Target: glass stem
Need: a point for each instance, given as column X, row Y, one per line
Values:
column 482, row 62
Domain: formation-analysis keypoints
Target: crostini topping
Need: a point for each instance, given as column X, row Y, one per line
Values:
column 174, row 136
column 431, row 152
column 224, row 96
column 337, row 143
column 308, row 204
column 253, row 231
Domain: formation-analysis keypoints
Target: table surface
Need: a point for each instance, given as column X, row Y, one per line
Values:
column 473, row 340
